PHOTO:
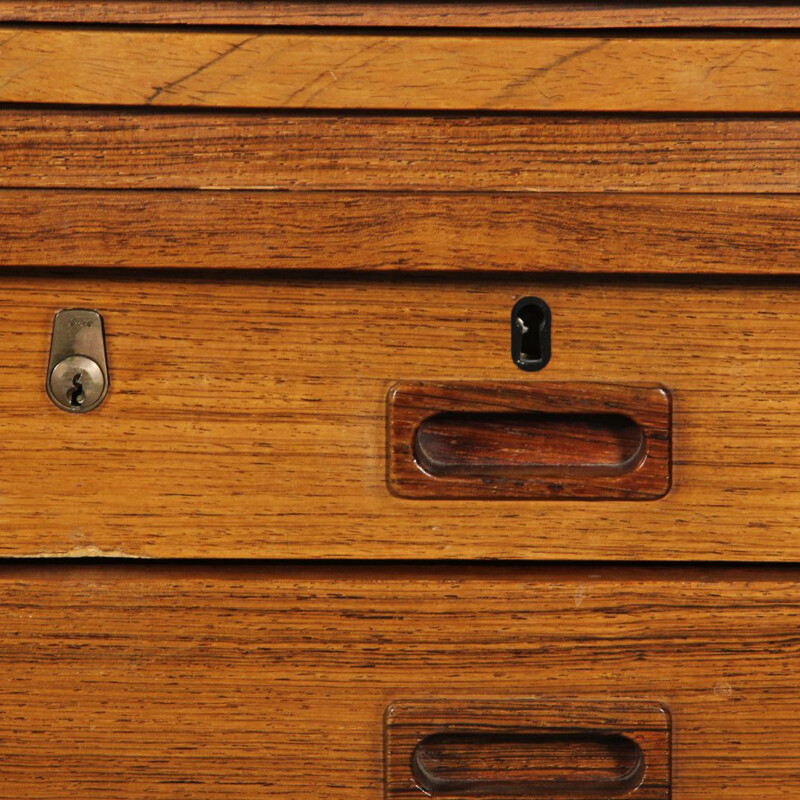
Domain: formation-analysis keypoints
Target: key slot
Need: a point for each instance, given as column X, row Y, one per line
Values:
column 76, row 393
column 530, row 334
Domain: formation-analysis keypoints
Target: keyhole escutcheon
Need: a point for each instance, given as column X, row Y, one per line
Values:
column 530, row 333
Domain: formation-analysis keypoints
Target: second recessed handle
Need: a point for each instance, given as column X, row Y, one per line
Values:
column 527, row 750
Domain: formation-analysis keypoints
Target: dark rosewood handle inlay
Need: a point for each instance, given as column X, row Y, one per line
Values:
column 537, row 441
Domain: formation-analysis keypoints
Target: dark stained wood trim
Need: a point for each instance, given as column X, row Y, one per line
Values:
column 82, row 149
column 372, row 231
column 644, row 474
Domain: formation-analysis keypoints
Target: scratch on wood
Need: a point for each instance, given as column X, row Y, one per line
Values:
column 219, row 57
column 332, row 73
column 536, row 72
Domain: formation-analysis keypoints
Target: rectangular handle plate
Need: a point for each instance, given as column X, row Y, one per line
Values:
column 589, row 441
column 527, row 750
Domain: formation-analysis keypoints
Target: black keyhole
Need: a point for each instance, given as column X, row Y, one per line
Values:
column 75, row 394
column 530, row 333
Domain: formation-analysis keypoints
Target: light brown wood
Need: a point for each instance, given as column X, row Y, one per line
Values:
column 160, row 681
column 371, row 71
column 247, row 417
column 435, row 14
column 371, row 231
column 80, row 149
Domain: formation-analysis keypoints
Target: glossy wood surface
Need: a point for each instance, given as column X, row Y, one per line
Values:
column 247, row 411
column 80, row 149
column 540, row 441
column 247, row 417
column 371, row 71
column 389, row 231
column 165, row 681
column 434, row 14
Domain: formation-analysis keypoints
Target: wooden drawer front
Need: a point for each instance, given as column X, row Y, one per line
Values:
column 132, row 680
column 247, row 417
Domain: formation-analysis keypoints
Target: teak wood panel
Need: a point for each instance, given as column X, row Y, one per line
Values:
column 81, row 149
column 382, row 231
column 272, row 681
column 255, row 68
column 247, row 417
column 433, row 14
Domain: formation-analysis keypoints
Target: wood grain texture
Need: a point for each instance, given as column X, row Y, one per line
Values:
column 80, row 149
column 556, row 750
column 371, row 232
column 575, row 465
column 247, row 417
column 370, row 71
column 427, row 14
column 272, row 680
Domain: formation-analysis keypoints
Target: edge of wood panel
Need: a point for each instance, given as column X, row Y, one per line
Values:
column 418, row 14
column 113, row 569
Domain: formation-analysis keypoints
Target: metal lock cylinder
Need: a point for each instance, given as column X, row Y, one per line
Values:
column 77, row 373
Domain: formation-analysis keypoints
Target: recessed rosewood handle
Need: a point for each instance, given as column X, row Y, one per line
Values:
column 536, row 441
column 520, row 749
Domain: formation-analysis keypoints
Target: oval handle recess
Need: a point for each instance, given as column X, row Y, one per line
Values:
column 524, row 445
column 527, row 765
column 527, row 750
